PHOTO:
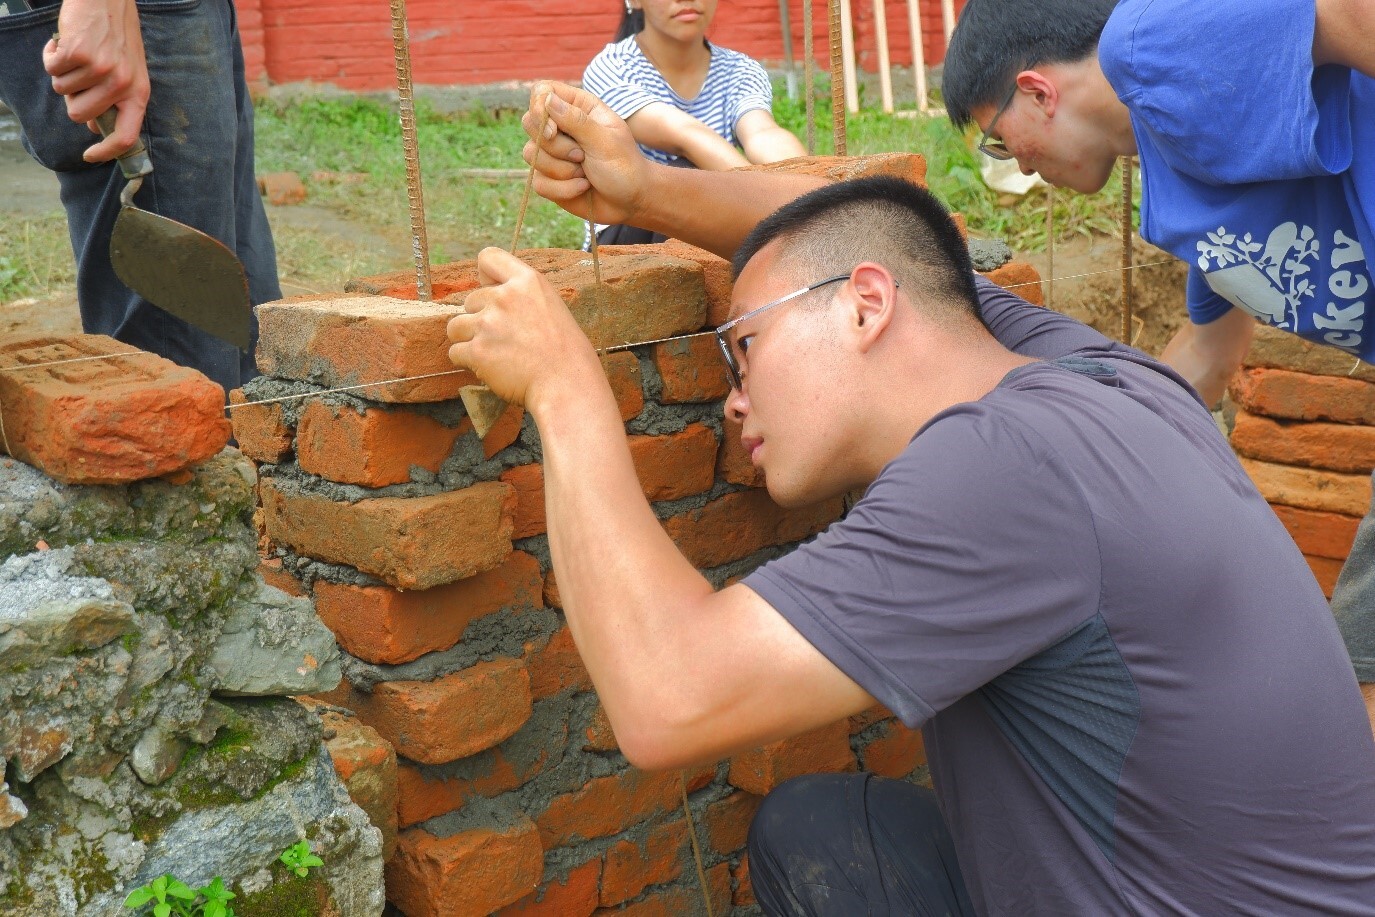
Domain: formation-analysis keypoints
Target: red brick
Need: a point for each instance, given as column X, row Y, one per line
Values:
column 733, row 464
column 451, row 280
column 632, row 867
column 906, row 166
column 744, row 891
column 409, row 542
column 472, row 873
column 606, row 806
column 896, row 753
column 371, row 449
column 1305, row 488
column 1278, row 349
column 875, row 714
column 355, row 340
column 575, row 895
column 424, row 795
column 452, row 717
column 716, row 272
column 1319, row 534
column 738, row 524
column 823, row 750
column 556, row 666
column 551, row 591
column 105, row 421
column 727, row 822
column 385, row 625
column 271, row 571
column 1325, row 570
column 261, row 432
column 682, row 898
column 504, row 432
column 676, row 465
column 1021, row 278
column 599, row 735
column 1333, row 446
column 1300, row 396
column 623, row 372
column 692, row 370
column 282, row 188
column 528, row 481
column 366, row 763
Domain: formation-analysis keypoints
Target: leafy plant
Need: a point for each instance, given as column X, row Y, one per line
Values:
column 172, row 896
column 299, row 859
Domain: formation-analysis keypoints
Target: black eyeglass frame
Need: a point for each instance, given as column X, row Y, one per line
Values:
column 996, row 149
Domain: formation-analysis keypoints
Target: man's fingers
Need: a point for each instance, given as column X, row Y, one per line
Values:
column 564, row 192
column 558, row 166
column 128, row 122
column 458, row 355
column 495, row 265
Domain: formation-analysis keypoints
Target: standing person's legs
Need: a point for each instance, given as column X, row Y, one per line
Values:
column 1353, row 603
column 842, row 844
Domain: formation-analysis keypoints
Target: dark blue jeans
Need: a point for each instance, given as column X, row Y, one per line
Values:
column 854, row 845
column 199, row 131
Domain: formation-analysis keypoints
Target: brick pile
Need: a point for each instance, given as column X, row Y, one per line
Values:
column 425, row 551
column 1305, row 431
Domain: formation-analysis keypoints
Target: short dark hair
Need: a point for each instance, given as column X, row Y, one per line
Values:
column 996, row 39
column 632, row 23
column 885, row 220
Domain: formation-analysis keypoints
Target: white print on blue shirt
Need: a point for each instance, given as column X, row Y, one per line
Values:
column 1270, row 280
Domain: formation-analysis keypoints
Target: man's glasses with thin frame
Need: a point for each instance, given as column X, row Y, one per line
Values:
column 996, row 149
column 733, row 374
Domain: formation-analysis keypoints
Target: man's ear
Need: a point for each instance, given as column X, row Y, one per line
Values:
column 874, row 301
column 1044, row 92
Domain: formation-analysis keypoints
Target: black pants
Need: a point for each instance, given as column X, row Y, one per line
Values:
column 843, row 844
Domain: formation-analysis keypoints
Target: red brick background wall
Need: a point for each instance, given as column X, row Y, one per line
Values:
column 348, row 42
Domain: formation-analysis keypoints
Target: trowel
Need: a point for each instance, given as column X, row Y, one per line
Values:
column 176, row 268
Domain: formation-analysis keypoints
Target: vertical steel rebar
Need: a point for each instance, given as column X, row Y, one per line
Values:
column 837, row 82
column 1127, row 234
column 410, row 144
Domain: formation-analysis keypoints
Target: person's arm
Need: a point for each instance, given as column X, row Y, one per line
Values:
column 764, row 140
column 1209, row 355
column 98, row 63
column 663, row 127
column 686, row 674
column 1344, row 33
column 589, row 164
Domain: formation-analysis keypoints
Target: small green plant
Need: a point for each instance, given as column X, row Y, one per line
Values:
column 170, row 895
column 299, row 859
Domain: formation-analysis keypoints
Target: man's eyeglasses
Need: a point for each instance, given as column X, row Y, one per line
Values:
column 996, row 148
column 734, row 374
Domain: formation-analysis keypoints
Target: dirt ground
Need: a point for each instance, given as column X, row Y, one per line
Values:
column 1158, row 292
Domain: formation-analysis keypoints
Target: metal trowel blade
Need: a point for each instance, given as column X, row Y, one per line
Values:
column 183, row 271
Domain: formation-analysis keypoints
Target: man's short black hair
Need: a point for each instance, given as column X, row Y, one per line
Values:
column 994, row 40
column 885, row 220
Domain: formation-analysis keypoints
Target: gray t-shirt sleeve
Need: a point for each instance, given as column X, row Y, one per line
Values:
column 1033, row 331
column 971, row 552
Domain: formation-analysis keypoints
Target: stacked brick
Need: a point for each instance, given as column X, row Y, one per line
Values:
column 1305, row 431
column 424, row 548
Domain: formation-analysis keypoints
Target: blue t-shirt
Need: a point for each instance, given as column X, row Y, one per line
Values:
column 1256, row 169
column 1134, row 697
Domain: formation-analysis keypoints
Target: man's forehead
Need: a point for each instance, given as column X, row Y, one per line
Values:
column 760, row 282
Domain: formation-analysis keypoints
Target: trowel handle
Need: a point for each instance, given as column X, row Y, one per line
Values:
column 133, row 163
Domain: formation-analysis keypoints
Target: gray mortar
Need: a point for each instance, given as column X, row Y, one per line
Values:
column 265, row 387
column 662, row 419
column 308, row 570
column 537, row 546
column 666, row 509
column 494, row 636
column 989, row 254
column 719, row 576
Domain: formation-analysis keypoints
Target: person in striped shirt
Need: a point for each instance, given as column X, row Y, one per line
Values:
column 688, row 102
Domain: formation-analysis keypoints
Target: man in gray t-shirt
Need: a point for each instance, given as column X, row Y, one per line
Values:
column 1134, row 696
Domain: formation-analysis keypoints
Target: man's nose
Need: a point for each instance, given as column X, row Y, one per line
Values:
column 737, row 405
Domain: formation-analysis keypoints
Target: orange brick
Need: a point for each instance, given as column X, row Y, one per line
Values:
column 632, row 867
column 105, row 421
column 575, row 895
column 556, row 666
column 733, row 463
column 1305, row 488
column 676, row 465
column 824, row 750
column 744, row 891
column 1021, row 278
column 691, row 369
column 727, row 821
column 409, row 542
column 456, row 277
column 906, row 166
column 358, row 340
column 896, row 753
column 1278, row 349
column 1300, row 396
column 473, row 872
column 271, row 571
column 738, row 524
column 875, row 714
column 1333, row 446
column 1326, row 570
column 1327, row 535
column 372, row 449
column 684, row 897
column 261, row 432
column 385, row 625
column 452, row 717
column 716, row 272
column 606, row 806
column 423, row 795
column 366, row 763
column 282, row 189
column 528, row 481
column 551, row 591
column 599, row 734
column 504, row 432
column 627, row 384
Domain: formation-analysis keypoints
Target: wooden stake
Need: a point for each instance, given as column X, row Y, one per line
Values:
column 918, row 53
column 837, row 79
column 847, row 47
column 948, row 19
column 885, row 77
column 789, row 65
column 808, row 68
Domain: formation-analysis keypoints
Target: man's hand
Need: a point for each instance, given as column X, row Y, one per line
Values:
column 98, row 64
column 517, row 334
column 588, row 162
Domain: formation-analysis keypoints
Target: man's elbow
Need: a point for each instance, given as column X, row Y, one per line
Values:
column 654, row 739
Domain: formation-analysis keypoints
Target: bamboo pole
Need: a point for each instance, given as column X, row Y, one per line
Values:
column 885, row 76
column 809, row 65
column 789, row 65
column 918, row 53
column 948, row 18
column 847, row 50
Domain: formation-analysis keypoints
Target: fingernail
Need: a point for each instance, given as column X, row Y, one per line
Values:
column 557, row 105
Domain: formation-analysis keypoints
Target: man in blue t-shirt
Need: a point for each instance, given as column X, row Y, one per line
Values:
column 1254, row 121
column 1133, row 695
